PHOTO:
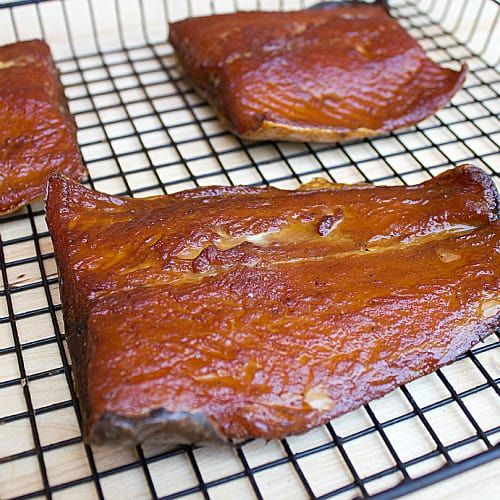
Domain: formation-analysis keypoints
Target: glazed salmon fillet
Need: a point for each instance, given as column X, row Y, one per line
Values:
column 328, row 74
column 38, row 134
column 238, row 312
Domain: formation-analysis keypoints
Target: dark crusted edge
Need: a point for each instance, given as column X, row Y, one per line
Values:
column 163, row 426
column 465, row 339
column 491, row 193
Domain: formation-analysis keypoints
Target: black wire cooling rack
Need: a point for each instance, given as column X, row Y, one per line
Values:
column 142, row 131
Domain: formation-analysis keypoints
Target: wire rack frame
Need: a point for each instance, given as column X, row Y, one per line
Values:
column 142, row 131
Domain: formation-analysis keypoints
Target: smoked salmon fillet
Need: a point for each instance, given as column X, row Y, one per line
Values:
column 328, row 74
column 38, row 134
column 240, row 312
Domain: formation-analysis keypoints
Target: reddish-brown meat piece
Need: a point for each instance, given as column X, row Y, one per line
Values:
column 38, row 135
column 327, row 74
column 254, row 312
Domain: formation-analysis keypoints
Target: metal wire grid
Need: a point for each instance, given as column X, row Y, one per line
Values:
column 142, row 131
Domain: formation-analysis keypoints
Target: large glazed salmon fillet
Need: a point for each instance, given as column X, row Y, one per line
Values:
column 327, row 74
column 38, row 134
column 236, row 312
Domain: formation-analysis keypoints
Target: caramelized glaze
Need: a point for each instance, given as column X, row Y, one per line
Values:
column 255, row 312
column 326, row 74
column 38, row 135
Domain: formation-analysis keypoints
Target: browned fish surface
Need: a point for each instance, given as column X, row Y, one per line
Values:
column 38, row 135
column 318, row 75
column 254, row 312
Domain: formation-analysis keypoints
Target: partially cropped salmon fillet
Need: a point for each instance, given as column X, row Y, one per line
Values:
column 327, row 74
column 38, row 134
column 236, row 312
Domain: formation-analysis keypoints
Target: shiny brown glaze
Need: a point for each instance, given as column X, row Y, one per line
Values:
column 38, row 135
column 254, row 312
column 319, row 75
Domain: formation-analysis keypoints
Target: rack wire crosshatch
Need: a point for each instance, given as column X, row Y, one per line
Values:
column 143, row 132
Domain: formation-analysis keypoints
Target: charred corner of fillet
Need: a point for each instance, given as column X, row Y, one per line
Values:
column 177, row 427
